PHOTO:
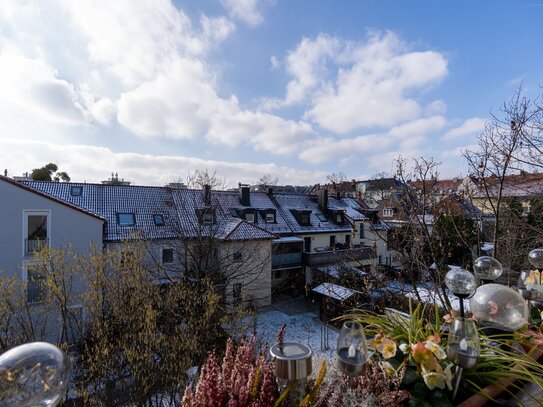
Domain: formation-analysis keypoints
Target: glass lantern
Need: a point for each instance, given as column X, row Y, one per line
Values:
column 487, row 269
column 535, row 257
column 352, row 349
column 462, row 284
column 463, row 347
column 34, row 374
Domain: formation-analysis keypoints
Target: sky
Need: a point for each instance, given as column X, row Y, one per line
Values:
column 155, row 90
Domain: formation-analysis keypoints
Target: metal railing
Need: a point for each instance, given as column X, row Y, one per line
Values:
column 35, row 245
column 335, row 256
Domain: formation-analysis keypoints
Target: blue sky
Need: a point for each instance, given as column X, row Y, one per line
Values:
column 155, row 89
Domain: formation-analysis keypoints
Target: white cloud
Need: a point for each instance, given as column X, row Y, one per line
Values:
column 351, row 85
column 245, row 10
column 470, row 126
column 34, row 86
column 93, row 164
column 436, row 107
column 274, row 62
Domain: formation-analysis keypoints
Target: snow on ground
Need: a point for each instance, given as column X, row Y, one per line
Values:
column 305, row 328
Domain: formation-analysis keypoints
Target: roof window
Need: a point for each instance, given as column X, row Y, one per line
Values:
column 158, row 219
column 126, row 219
column 76, row 191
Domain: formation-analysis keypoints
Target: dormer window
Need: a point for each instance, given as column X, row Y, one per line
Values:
column 250, row 217
column 126, row 219
column 158, row 219
column 303, row 217
column 206, row 216
column 270, row 217
column 322, row 218
column 388, row 212
column 339, row 218
column 76, row 191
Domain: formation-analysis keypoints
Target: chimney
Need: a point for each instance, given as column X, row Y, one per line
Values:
column 323, row 200
column 207, row 195
column 244, row 196
column 5, row 172
column 270, row 191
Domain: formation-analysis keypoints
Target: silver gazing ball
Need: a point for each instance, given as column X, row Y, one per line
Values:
column 499, row 306
column 487, row 268
column 461, row 282
column 33, row 375
column 535, row 257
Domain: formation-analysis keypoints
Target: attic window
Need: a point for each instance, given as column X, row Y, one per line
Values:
column 388, row 212
column 207, row 218
column 158, row 219
column 339, row 218
column 76, row 191
column 304, row 218
column 126, row 219
column 250, row 217
column 270, row 217
column 322, row 218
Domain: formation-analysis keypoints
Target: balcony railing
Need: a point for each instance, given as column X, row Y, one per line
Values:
column 286, row 260
column 341, row 255
column 35, row 245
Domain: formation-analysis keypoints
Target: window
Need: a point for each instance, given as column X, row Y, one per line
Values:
column 158, row 219
column 332, row 241
column 236, row 291
column 76, row 191
column 127, row 259
column 348, row 240
column 126, row 219
column 339, row 218
column 388, row 212
column 250, row 217
column 270, row 217
column 238, row 255
column 361, row 227
column 34, row 274
column 37, row 225
column 322, row 218
column 207, row 218
column 304, row 219
column 167, row 255
column 380, row 259
column 277, row 274
column 307, row 244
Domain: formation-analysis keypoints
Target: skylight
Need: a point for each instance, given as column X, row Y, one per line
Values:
column 158, row 219
column 126, row 219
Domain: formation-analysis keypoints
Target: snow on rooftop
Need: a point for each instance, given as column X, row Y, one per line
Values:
column 335, row 291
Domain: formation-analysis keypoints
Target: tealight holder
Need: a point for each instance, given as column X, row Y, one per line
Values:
column 352, row 349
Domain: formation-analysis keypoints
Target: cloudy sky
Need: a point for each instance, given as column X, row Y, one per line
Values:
column 155, row 89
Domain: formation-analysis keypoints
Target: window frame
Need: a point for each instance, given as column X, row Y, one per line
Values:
column 35, row 212
column 132, row 214
column 270, row 217
column 248, row 214
column 333, row 241
column 207, row 218
column 322, row 218
column 158, row 216
column 74, row 188
column 25, row 277
column 388, row 212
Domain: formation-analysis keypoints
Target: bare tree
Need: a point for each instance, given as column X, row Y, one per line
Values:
column 267, row 180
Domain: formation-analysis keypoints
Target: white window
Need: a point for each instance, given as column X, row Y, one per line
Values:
column 34, row 274
column 270, row 217
column 250, row 217
column 37, row 230
column 388, row 212
column 339, row 218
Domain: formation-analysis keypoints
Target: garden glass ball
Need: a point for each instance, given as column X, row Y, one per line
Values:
column 461, row 282
column 487, row 268
column 33, row 375
column 535, row 257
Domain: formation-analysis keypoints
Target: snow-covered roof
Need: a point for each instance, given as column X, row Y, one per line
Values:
column 334, row 291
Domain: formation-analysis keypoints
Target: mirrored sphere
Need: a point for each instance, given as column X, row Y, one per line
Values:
column 487, row 268
column 499, row 306
column 535, row 257
column 461, row 282
column 34, row 374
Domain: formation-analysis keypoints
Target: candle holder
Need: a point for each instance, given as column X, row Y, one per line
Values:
column 34, row 374
column 463, row 347
column 352, row 349
column 462, row 284
column 487, row 269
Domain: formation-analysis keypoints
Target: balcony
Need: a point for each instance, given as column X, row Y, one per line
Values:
column 35, row 245
column 286, row 260
column 339, row 255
